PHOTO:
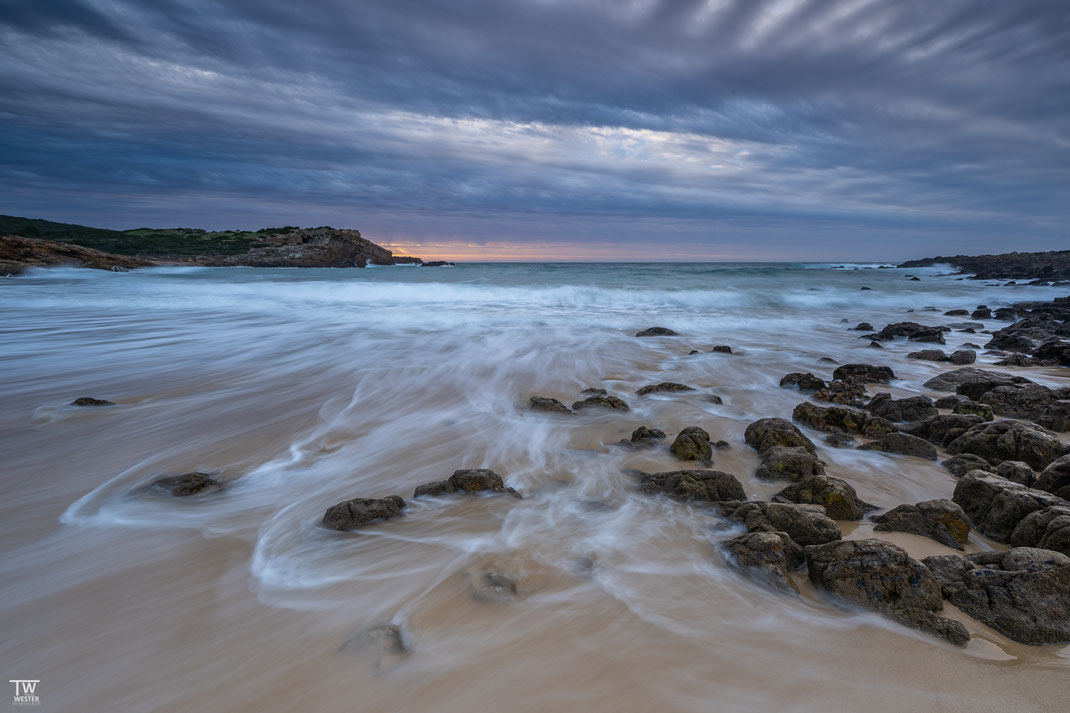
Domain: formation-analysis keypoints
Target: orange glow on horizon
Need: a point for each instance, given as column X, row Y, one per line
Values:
column 460, row 251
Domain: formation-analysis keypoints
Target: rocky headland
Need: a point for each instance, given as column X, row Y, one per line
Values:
column 1042, row 266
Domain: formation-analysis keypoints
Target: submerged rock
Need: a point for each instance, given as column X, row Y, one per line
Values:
column 601, row 401
column 837, row 439
column 693, row 443
column 386, row 643
column 1048, row 529
column 657, row 332
column 1023, row 593
column 709, row 486
column 351, row 514
column 721, row 349
column 878, row 575
column 766, row 557
column 494, row 587
column 996, row 505
column 1009, row 440
column 90, row 401
column 186, row 484
column 804, row 382
column 663, row 387
column 545, row 403
column 766, row 433
column 941, row 520
column 469, row 480
column 836, row 496
column 805, row 524
column 788, row 463
column 644, row 437
column 901, row 444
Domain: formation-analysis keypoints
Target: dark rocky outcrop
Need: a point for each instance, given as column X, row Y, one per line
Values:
column 836, row 496
column 663, row 387
column 90, row 401
column 841, row 418
column 693, row 443
column 944, row 428
column 305, row 247
column 601, row 401
column 913, row 331
column 963, row 356
column 766, row 557
column 1009, row 440
column 941, row 520
column 914, row 408
column 1023, row 593
column 952, row 380
column 352, row 514
column 901, row 444
column 1048, row 529
column 963, row 463
column 17, row 254
column 709, row 486
column 657, row 332
column 805, row 524
column 469, row 480
column 788, row 463
column 1054, row 265
column 1055, row 478
column 1019, row 400
column 766, row 433
column 865, row 373
column 545, row 403
column 996, row 505
column 877, row 575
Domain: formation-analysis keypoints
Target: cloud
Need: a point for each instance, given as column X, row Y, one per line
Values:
column 744, row 121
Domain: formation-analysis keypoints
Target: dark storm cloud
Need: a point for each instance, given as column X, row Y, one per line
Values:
column 943, row 118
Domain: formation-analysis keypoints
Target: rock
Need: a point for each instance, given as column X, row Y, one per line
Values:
column 963, row 356
column 836, row 496
column 952, row 380
column 1047, row 529
column 804, row 382
column 996, row 505
column 594, row 392
column 545, row 403
column 788, row 463
column 963, row 463
column 943, row 429
column 766, row 557
column 693, row 485
column 470, row 480
column 657, row 332
column 805, row 524
column 837, row 439
column 722, row 445
column 863, row 327
column 912, row 331
column 845, row 393
column 437, row 263
column 1056, row 351
column 385, row 642
column 610, row 402
column 306, row 247
column 1016, row 471
column 714, row 398
column 902, row 444
column 644, row 437
column 186, row 484
column 914, row 408
column 721, row 349
column 876, row 345
column 494, row 588
column 838, row 418
column 766, row 433
column 941, row 520
column 1023, row 593
column 1019, row 400
column 17, row 254
column 956, row 313
column 865, row 373
column 1046, row 265
column 1009, row 343
column 950, row 401
column 663, row 387
column 351, row 514
column 981, row 313
column 89, row 401
column 1055, row 478
column 983, row 411
column 1055, row 416
column 1009, row 440
column 929, row 355
column 693, row 443
column 878, row 575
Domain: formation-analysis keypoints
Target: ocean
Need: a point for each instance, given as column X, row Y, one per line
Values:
column 301, row 388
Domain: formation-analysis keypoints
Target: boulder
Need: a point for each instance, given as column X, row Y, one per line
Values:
column 1055, row 478
column 950, row 401
column 865, row 373
column 545, row 403
column 351, row 514
column 90, row 401
column 186, row 484
column 768, row 432
column 693, row 485
column 1056, row 416
column 1019, row 400
column 952, row 380
column 941, row 520
column 643, row 437
column 693, row 443
column 942, row 429
column 470, row 480
column 984, row 411
column 594, row 392
column 839, row 440
column 901, row 444
column 863, row 327
column 657, row 332
column 600, row 401
column 1023, row 593
column 846, row 393
column 996, row 505
column 1055, row 351
column 914, row 408
column 963, row 463
column 929, row 355
column 721, row 349
column 1047, row 529
column 805, row 524
column 1009, row 342
column 804, row 382
column 766, row 557
column 788, row 463
column 998, row 441
column 840, row 418
column 836, row 496
column 1016, row 471
column 963, row 356
column 663, row 387
column 877, row 575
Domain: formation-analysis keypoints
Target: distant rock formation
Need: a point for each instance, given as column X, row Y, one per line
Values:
column 1047, row 266
column 306, row 247
column 17, row 254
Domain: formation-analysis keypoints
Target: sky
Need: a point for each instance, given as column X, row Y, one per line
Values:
column 550, row 129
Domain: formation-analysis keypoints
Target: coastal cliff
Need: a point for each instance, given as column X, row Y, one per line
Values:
column 17, row 254
column 1053, row 265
